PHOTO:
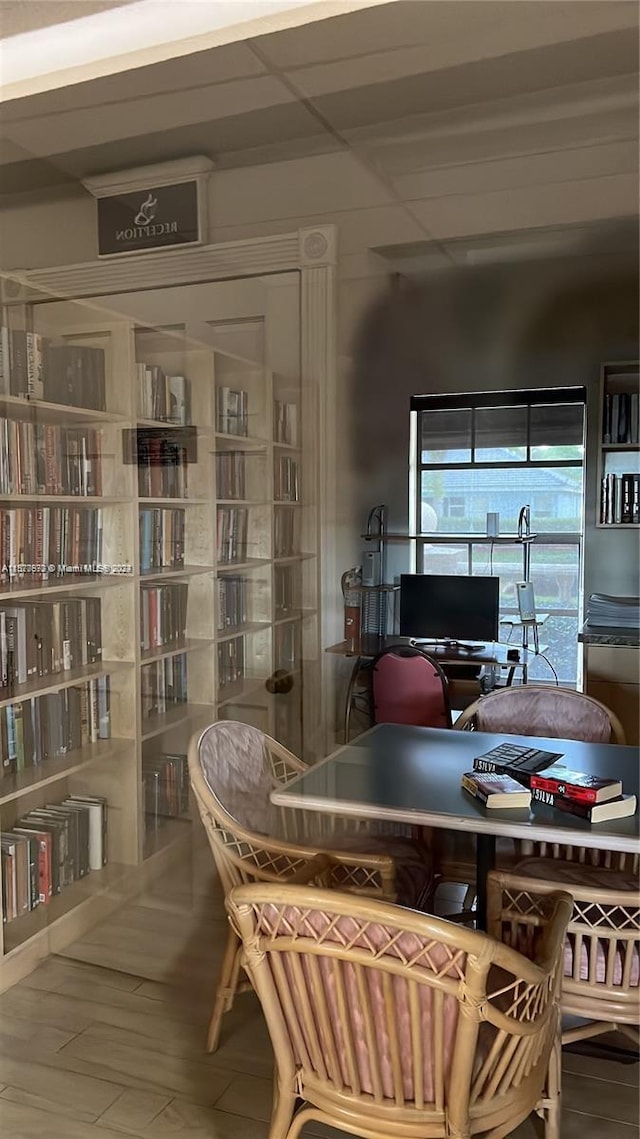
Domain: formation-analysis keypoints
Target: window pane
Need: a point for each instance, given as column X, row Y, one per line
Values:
column 501, row 434
column 554, row 494
column 446, row 436
column 555, row 573
column 558, row 639
column 557, row 431
column 446, row 559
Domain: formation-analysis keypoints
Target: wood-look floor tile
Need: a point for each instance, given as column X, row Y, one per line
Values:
column 618, row 1069
column 80, row 1097
column 183, row 1120
column 58, row 970
column 20, row 1121
column 134, row 1110
column 43, row 1008
column 576, row 1125
column 249, row 1096
column 600, row 1098
column 14, row 1028
column 195, row 1080
column 102, row 999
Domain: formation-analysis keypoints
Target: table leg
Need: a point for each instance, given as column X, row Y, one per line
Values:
column 485, row 861
column 347, row 711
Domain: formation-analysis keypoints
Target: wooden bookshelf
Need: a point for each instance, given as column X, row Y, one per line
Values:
column 253, row 464
column 619, row 447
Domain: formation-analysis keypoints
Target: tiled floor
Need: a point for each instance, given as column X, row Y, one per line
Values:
column 95, row 1052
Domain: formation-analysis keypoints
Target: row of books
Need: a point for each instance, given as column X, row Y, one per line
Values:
column 513, row 775
column 42, row 458
column 285, row 528
column 42, row 542
column 48, row 727
column 286, row 483
column 230, row 662
column 621, row 423
column 232, row 524
column 41, row 638
column 36, row 367
column 230, row 475
column 232, row 411
column 163, row 685
column 166, row 789
column 49, row 849
column 163, row 614
column 162, row 535
column 232, row 602
column 163, row 397
column 620, row 498
column 286, row 589
column 285, row 423
column 162, row 469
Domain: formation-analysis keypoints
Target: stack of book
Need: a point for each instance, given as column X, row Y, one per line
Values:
column 232, row 601
column 286, row 487
column 231, row 534
column 284, row 532
column 230, row 475
column 163, row 685
column 621, row 422
column 591, row 797
column 230, row 662
column 49, row 849
column 162, row 468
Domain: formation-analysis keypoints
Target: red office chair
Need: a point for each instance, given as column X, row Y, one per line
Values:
column 409, row 687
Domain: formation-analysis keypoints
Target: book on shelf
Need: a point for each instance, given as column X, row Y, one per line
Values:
column 232, row 411
column 230, row 475
column 162, row 537
column 621, row 411
column 36, row 367
column 230, row 662
column 163, row 614
column 163, row 685
column 166, row 788
column 232, row 523
column 41, row 638
column 517, row 760
column 495, row 789
column 618, row 808
column 43, row 458
column 285, row 591
column 285, row 534
column 50, row 848
column 162, row 467
column 286, row 484
column 620, row 498
column 41, row 728
column 577, row 785
column 285, row 423
column 232, row 602
column 40, row 543
column 163, row 397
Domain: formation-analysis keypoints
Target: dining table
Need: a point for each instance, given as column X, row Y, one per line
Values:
column 412, row 775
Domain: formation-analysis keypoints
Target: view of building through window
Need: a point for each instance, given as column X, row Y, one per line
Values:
column 472, row 460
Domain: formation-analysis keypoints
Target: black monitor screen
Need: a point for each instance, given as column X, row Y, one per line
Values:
column 448, row 607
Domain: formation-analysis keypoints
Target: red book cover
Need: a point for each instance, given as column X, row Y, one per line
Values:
column 576, row 785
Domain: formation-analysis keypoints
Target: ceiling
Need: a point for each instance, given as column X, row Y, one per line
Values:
column 417, row 94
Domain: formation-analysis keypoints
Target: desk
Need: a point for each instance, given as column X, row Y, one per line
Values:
column 366, row 647
column 412, row 775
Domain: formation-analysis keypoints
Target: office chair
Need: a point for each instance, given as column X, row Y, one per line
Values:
column 409, row 687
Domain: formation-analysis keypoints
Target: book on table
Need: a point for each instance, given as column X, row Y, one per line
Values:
column 619, row 808
column 516, row 760
column 578, row 785
column 496, row 789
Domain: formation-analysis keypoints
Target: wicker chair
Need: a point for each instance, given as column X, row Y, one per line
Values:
column 389, row 1023
column 602, row 951
column 233, row 767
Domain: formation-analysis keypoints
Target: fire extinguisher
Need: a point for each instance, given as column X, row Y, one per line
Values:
column 351, row 582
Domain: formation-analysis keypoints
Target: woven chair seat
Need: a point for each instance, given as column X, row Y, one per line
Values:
column 413, row 861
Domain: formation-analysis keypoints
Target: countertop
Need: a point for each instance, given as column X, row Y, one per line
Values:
column 603, row 635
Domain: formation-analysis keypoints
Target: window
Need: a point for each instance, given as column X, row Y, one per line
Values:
column 499, row 451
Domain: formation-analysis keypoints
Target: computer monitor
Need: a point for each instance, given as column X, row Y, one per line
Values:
column 449, row 608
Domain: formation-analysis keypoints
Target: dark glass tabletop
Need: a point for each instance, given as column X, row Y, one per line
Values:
column 410, row 774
